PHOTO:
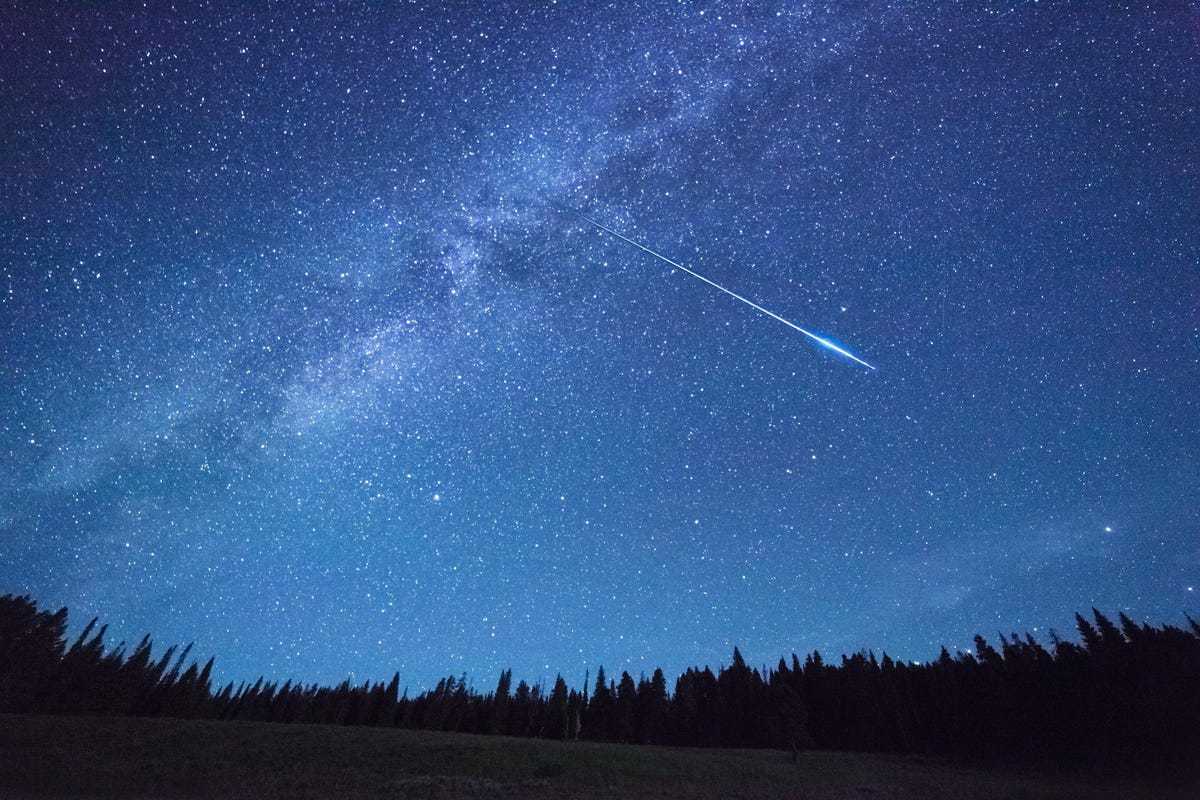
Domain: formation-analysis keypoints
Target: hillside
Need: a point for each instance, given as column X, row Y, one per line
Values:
column 160, row 758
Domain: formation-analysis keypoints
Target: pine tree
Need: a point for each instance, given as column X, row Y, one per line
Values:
column 624, row 720
column 1091, row 639
column 498, row 722
column 519, row 711
column 555, row 724
column 652, row 709
column 31, row 648
column 598, row 717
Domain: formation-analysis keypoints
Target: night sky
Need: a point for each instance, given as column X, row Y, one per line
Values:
column 304, row 357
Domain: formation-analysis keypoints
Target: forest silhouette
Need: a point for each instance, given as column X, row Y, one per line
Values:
column 1124, row 698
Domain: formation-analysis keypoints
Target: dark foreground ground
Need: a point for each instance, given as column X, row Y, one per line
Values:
column 154, row 758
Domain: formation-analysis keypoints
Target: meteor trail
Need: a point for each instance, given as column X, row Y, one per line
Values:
column 821, row 340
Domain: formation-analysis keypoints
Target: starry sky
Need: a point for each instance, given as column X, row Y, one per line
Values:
column 305, row 358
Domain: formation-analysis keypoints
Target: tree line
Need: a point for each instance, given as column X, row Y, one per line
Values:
column 1125, row 697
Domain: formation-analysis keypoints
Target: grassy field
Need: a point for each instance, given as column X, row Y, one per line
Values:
column 152, row 758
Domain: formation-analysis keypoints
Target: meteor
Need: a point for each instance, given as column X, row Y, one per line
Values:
column 821, row 340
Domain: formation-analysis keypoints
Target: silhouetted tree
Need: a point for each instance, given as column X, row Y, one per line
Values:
column 652, row 709
column 499, row 717
column 1123, row 698
column 555, row 723
column 597, row 720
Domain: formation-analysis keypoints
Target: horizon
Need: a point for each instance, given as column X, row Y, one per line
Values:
column 1043, row 636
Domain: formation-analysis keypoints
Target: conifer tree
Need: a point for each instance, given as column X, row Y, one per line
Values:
column 624, row 719
column 498, row 722
column 1124, row 697
column 555, row 725
column 598, row 717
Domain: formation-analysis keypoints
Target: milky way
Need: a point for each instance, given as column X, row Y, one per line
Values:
column 298, row 360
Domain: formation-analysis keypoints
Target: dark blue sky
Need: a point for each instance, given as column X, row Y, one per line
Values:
column 301, row 362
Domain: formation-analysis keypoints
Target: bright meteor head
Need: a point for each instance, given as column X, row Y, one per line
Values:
column 821, row 340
